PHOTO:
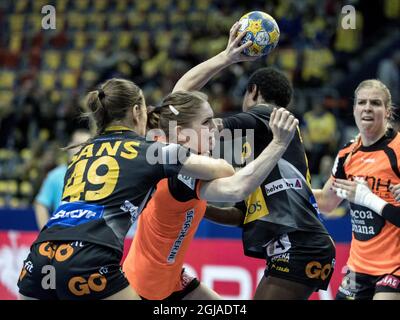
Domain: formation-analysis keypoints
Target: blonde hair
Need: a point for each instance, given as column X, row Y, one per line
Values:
column 376, row 84
column 179, row 106
column 371, row 84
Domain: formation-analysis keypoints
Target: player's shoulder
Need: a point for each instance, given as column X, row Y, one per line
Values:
column 347, row 147
column 182, row 188
column 123, row 139
column 261, row 110
column 187, row 181
column 394, row 142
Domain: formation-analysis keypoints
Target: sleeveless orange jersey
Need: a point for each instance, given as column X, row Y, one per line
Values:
column 375, row 245
column 164, row 231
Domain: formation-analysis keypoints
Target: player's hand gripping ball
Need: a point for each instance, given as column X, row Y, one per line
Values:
column 262, row 30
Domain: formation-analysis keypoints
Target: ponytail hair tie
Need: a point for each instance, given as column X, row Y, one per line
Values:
column 173, row 110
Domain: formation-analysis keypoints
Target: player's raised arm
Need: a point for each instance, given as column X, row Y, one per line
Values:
column 198, row 76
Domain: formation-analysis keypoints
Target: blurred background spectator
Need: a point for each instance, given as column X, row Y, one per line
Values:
column 319, row 131
column 389, row 74
column 49, row 197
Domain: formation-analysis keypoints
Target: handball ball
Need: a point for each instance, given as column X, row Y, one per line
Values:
column 262, row 30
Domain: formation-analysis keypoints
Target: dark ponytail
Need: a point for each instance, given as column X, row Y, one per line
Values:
column 109, row 103
column 153, row 117
column 97, row 110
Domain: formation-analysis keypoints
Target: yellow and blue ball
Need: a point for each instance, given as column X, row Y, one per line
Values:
column 262, row 30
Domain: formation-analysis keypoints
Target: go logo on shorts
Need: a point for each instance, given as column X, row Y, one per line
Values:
column 61, row 253
column 314, row 270
column 79, row 286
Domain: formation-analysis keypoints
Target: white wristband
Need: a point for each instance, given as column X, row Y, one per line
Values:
column 366, row 198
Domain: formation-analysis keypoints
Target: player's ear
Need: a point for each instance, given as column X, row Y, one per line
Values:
column 253, row 93
column 137, row 112
column 389, row 113
column 181, row 138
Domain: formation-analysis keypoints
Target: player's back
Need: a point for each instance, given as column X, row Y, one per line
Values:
column 284, row 202
column 106, row 184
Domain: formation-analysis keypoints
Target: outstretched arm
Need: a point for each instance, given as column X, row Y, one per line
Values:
column 197, row 77
column 237, row 187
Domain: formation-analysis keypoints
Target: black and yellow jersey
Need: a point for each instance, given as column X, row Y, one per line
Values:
column 107, row 184
column 284, row 202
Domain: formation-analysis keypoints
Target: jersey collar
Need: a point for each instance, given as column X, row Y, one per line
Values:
column 389, row 135
column 117, row 128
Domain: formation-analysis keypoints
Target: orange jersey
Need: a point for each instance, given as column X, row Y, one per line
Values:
column 165, row 228
column 375, row 245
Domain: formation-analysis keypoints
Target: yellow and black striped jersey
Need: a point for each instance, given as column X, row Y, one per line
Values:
column 107, row 184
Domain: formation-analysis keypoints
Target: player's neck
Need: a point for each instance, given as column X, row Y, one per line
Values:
column 370, row 139
column 123, row 123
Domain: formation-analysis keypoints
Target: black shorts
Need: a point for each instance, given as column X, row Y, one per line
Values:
column 361, row 286
column 189, row 284
column 304, row 257
column 71, row 270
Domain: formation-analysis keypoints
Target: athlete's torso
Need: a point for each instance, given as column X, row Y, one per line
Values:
column 106, row 186
column 165, row 230
column 284, row 202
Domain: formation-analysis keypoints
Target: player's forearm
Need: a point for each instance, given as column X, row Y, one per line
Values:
column 391, row 213
column 197, row 77
column 206, row 168
column 239, row 186
column 327, row 201
column 321, row 200
column 258, row 170
column 230, row 216
column 365, row 197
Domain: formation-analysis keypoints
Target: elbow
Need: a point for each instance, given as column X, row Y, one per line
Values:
column 238, row 193
column 238, row 189
column 224, row 169
column 229, row 171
